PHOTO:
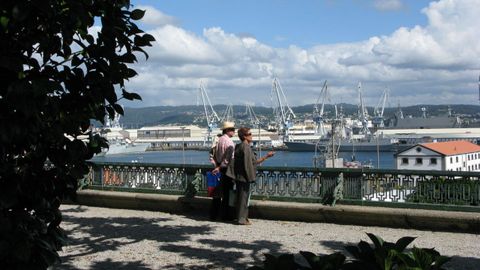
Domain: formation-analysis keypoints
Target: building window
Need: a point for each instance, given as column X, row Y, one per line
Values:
column 451, row 160
column 419, row 161
column 456, row 159
column 433, row 161
column 419, row 149
column 404, row 160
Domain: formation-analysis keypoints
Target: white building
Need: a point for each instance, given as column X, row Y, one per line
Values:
column 440, row 156
column 189, row 136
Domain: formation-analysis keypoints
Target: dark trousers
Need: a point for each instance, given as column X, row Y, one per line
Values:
column 220, row 205
column 243, row 191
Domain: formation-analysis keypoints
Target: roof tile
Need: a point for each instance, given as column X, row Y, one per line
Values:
column 452, row 147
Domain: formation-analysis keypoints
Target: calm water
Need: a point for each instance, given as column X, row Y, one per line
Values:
column 281, row 158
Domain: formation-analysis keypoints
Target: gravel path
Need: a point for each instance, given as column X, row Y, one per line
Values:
column 103, row 238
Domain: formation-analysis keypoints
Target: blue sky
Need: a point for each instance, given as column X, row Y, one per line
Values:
column 424, row 52
column 302, row 23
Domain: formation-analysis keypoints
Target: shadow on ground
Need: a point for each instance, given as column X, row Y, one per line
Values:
column 112, row 233
column 89, row 236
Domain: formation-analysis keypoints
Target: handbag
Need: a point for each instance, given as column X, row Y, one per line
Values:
column 213, row 183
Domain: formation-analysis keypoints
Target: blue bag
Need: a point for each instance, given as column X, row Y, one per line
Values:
column 213, row 181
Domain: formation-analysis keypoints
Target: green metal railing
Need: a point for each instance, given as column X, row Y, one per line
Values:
column 385, row 187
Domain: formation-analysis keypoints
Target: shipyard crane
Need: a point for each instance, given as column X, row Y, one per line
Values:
column 283, row 114
column 210, row 115
column 254, row 122
column 362, row 111
column 252, row 117
column 318, row 109
column 227, row 114
column 378, row 119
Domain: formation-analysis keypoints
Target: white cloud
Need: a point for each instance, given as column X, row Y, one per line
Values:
column 155, row 17
column 388, row 5
column 422, row 64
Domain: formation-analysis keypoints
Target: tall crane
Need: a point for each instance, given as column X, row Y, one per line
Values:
column 210, row 115
column 318, row 110
column 252, row 117
column 378, row 119
column 283, row 114
column 227, row 114
column 362, row 111
column 254, row 122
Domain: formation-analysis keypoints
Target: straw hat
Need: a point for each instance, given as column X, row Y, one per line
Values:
column 227, row 125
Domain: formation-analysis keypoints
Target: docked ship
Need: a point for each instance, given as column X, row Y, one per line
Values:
column 358, row 144
column 120, row 141
column 124, row 147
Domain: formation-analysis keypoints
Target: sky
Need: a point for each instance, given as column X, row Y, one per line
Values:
column 423, row 52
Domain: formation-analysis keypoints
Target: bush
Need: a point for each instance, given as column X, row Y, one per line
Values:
column 382, row 256
column 55, row 77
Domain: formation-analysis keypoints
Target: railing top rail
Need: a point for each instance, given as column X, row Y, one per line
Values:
column 299, row 169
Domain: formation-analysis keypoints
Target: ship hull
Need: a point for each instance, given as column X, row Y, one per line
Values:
column 344, row 147
column 117, row 149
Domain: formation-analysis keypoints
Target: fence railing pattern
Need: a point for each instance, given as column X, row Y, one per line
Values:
column 398, row 186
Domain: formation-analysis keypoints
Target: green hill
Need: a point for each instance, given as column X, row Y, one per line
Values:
column 191, row 114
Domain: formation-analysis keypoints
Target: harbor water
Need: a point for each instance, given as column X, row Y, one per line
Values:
column 281, row 158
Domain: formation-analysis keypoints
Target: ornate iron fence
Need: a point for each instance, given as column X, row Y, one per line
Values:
column 292, row 183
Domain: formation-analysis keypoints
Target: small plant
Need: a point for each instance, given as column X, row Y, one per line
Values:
column 282, row 262
column 382, row 256
column 324, row 262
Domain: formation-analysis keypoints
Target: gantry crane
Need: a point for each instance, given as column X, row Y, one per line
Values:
column 227, row 114
column 378, row 119
column 318, row 110
column 210, row 115
column 283, row 114
column 362, row 112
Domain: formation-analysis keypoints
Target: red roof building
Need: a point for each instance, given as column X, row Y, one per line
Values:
column 444, row 156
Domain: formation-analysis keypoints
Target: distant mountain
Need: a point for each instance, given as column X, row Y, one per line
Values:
column 191, row 114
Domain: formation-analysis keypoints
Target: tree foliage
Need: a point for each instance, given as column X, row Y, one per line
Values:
column 62, row 63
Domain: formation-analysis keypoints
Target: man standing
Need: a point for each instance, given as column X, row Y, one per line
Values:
column 223, row 157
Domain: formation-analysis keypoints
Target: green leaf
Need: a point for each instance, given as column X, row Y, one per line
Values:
column 148, row 37
column 128, row 58
column 377, row 240
column 403, row 242
column 131, row 73
column 137, row 14
column 4, row 21
column 118, row 108
column 130, row 96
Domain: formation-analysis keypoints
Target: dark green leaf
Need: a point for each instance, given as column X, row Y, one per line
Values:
column 137, row 14
column 118, row 109
column 130, row 96
column 403, row 242
column 377, row 241
column 148, row 37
